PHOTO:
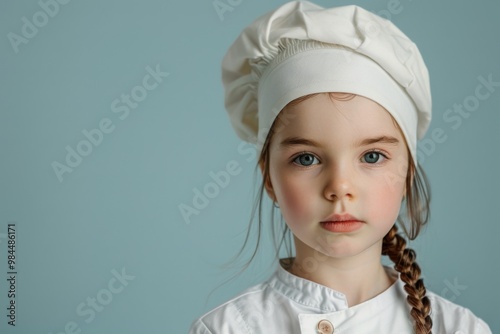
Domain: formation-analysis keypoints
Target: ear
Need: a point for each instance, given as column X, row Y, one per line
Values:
column 267, row 183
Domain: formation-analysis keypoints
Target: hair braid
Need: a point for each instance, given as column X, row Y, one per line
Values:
column 394, row 246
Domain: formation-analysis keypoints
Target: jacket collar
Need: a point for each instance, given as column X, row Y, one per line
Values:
column 320, row 297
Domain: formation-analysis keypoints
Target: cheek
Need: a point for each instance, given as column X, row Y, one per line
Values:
column 291, row 195
column 386, row 204
column 294, row 197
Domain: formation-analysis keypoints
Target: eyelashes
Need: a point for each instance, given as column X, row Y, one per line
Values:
column 376, row 154
column 304, row 155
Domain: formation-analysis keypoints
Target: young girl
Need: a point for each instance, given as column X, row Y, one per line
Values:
column 335, row 100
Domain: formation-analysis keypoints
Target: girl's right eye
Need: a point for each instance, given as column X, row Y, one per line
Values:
column 305, row 159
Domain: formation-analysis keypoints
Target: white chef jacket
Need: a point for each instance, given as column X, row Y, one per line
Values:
column 288, row 304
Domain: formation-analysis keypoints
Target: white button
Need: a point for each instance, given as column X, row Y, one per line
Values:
column 325, row 327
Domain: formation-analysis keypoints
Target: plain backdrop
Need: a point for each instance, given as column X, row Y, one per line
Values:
column 103, row 247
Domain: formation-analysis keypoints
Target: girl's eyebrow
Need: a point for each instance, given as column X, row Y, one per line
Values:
column 292, row 141
column 381, row 139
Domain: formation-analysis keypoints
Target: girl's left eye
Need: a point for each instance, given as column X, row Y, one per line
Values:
column 373, row 157
column 305, row 159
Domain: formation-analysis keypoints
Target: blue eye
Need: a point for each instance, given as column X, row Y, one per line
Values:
column 373, row 157
column 305, row 159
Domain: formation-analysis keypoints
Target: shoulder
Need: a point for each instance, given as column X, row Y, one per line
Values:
column 232, row 316
column 448, row 317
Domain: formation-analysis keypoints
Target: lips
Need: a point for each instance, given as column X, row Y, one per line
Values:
column 342, row 223
column 345, row 217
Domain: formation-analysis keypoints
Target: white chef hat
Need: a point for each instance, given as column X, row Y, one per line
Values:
column 301, row 48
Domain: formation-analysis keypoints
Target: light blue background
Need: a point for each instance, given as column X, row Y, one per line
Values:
column 120, row 207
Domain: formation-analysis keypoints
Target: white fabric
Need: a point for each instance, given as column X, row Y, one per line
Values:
column 257, row 55
column 287, row 304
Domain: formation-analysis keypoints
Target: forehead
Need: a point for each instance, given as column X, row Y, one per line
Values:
column 323, row 117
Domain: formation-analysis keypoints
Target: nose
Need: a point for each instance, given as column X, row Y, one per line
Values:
column 340, row 183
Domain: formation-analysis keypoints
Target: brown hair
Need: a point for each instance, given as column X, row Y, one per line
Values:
column 417, row 214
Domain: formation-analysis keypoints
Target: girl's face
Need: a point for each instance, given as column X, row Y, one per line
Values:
column 325, row 159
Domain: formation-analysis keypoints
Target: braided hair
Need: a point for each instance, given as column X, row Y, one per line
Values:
column 394, row 246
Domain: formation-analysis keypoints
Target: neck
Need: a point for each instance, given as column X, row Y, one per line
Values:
column 360, row 277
